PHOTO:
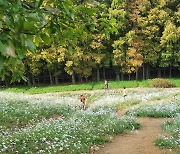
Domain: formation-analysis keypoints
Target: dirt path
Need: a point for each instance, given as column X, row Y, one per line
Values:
column 137, row 142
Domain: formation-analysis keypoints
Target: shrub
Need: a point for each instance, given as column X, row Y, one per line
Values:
column 160, row 83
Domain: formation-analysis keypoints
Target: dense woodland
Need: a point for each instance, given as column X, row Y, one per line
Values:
column 58, row 41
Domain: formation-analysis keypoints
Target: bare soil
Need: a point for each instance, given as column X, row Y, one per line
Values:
column 139, row 141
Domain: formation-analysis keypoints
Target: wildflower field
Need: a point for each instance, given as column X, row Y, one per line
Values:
column 55, row 123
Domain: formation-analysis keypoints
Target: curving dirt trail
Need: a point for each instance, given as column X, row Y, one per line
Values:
column 139, row 141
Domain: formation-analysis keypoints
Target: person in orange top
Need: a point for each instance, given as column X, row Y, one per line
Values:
column 83, row 102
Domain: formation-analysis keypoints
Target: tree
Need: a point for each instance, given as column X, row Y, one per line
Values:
column 19, row 22
column 54, row 58
column 126, row 56
column 170, row 41
column 126, row 52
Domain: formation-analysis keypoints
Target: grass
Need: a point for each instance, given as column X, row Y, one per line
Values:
column 173, row 130
column 162, row 110
column 83, row 86
column 175, row 81
column 74, row 135
column 27, row 126
column 27, row 123
column 21, row 113
column 126, row 104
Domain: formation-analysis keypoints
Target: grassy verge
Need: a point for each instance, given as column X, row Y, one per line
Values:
column 84, row 86
column 173, row 130
column 175, row 81
column 75, row 87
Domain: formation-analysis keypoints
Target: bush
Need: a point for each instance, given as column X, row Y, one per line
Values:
column 160, row 83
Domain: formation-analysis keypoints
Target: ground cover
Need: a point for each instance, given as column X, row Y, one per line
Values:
column 171, row 137
column 168, row 107
column 73, row 130
column 84, row 86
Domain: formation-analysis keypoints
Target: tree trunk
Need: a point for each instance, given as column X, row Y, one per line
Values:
column 56, row 75
column 170, row 71
column 159, row 72
column 44, row 78
column 137, row 75
column 98, row 74
column 122, row 76
column 6, row 83
column 80, row 78
column 117, row 76
column 50, row 77
column 147, row 71
column 25, row 83
column 73, row 79
column 33, row 80
column 56, row 79
column 144, row 71
column 29, row 82
column 86, row 79
column 129, row 76
column 38, row 79
column 104, row 73
column 29, row 79
column 164, row 72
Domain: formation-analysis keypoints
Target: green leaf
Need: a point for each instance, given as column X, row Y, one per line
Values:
column 40, row 3
column 66, row 8
column 33, row 16
column 46, row 38
column 92, row 27
column 1, row 26
column 21, row 53
column 1, row 16
column 3, row 2
column 10, row 51
column 1, row 62
column 37, row 40
column 107, row 34
column 2, row 48
column 29, row 25
column 30, row 45
column 114, row 29
column 72, row 16
column 7, row 21
column 5, row 36
column 113, row 21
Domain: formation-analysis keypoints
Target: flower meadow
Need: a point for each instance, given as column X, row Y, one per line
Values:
column 27, row 124
column 55, row 123
column 172, row 140
column 168, row 107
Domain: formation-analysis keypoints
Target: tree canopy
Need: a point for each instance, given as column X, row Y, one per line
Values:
column 79, row 36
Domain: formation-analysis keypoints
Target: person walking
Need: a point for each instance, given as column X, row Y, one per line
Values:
column 83, row 102
column 106, row 85
column 124, row 92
